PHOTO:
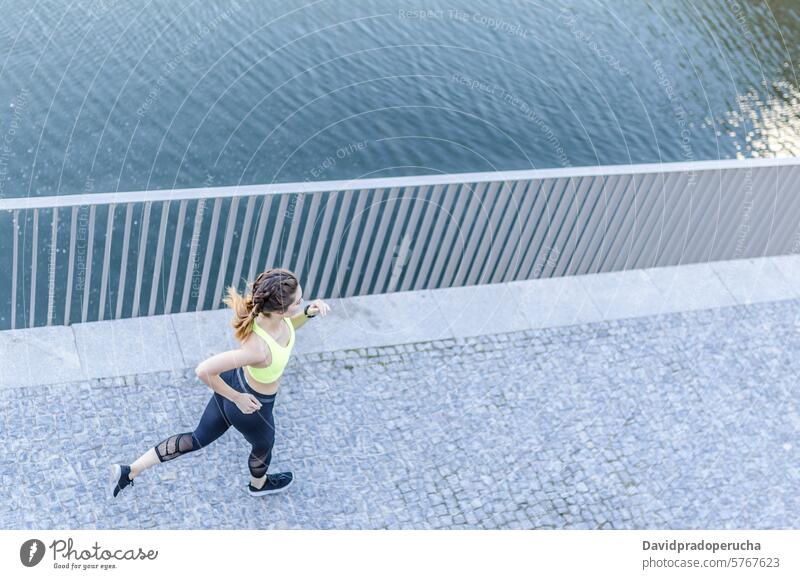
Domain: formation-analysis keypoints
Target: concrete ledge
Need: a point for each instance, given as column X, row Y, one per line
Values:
column 478, row 310
column 624, row 294
column 128, row 346
column 203, row 334
column 689, row 287
column 789, row 267
column 35, row 356
column 378, row 320
column 754, row 280
column 109, row 349
column 551, row 302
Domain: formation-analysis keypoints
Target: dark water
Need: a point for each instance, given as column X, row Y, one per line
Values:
column 106, row 96
column 119, row 96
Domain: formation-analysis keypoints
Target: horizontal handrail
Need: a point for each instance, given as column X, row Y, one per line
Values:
column 121, row 197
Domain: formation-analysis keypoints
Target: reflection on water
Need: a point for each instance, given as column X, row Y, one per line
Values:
column 769, row 127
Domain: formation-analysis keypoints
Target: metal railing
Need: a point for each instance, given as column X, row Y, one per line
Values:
column 114, row 255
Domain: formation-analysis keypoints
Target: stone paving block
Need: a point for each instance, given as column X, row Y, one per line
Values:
column 754, row 280
column 36, row 356
column 128, row 346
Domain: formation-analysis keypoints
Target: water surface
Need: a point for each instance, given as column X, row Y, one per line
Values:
column 107, row 96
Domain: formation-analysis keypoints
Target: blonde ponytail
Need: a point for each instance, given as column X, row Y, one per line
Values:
column 244, row 312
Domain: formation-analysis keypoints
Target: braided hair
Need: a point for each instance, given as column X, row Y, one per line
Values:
column 272, row 291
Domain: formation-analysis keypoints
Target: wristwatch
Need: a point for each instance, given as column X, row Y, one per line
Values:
column 305, row 311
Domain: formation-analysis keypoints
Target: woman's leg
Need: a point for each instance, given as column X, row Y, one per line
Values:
column 258, row 428
column 148, row 459
column 212, row 425
column 261, row 448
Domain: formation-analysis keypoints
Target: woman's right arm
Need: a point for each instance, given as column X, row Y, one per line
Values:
column 209, row 370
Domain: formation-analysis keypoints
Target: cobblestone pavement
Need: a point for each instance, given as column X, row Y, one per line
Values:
column 681, row 421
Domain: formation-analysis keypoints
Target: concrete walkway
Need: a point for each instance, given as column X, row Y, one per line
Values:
column 119, row 348
column 660, row 398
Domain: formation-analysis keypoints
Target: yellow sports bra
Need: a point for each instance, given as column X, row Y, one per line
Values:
column 280, row 355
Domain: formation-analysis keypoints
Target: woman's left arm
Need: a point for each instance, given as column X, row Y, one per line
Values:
column 314, row 307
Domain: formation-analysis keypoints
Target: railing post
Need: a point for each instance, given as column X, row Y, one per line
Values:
column 140, row 258
column 159, row 260
column 106, row 260
column 176, row 249
column 73, row 226
column 14, row 268
column 34, row 260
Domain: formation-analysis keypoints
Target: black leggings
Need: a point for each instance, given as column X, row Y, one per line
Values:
column 258, row 428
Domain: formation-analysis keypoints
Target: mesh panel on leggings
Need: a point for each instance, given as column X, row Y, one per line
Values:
column 175, row 446
column 259, row 462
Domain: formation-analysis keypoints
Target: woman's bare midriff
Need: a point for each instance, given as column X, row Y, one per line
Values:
column 260, row 387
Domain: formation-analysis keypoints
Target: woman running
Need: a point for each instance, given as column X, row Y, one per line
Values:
column 244, row 381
